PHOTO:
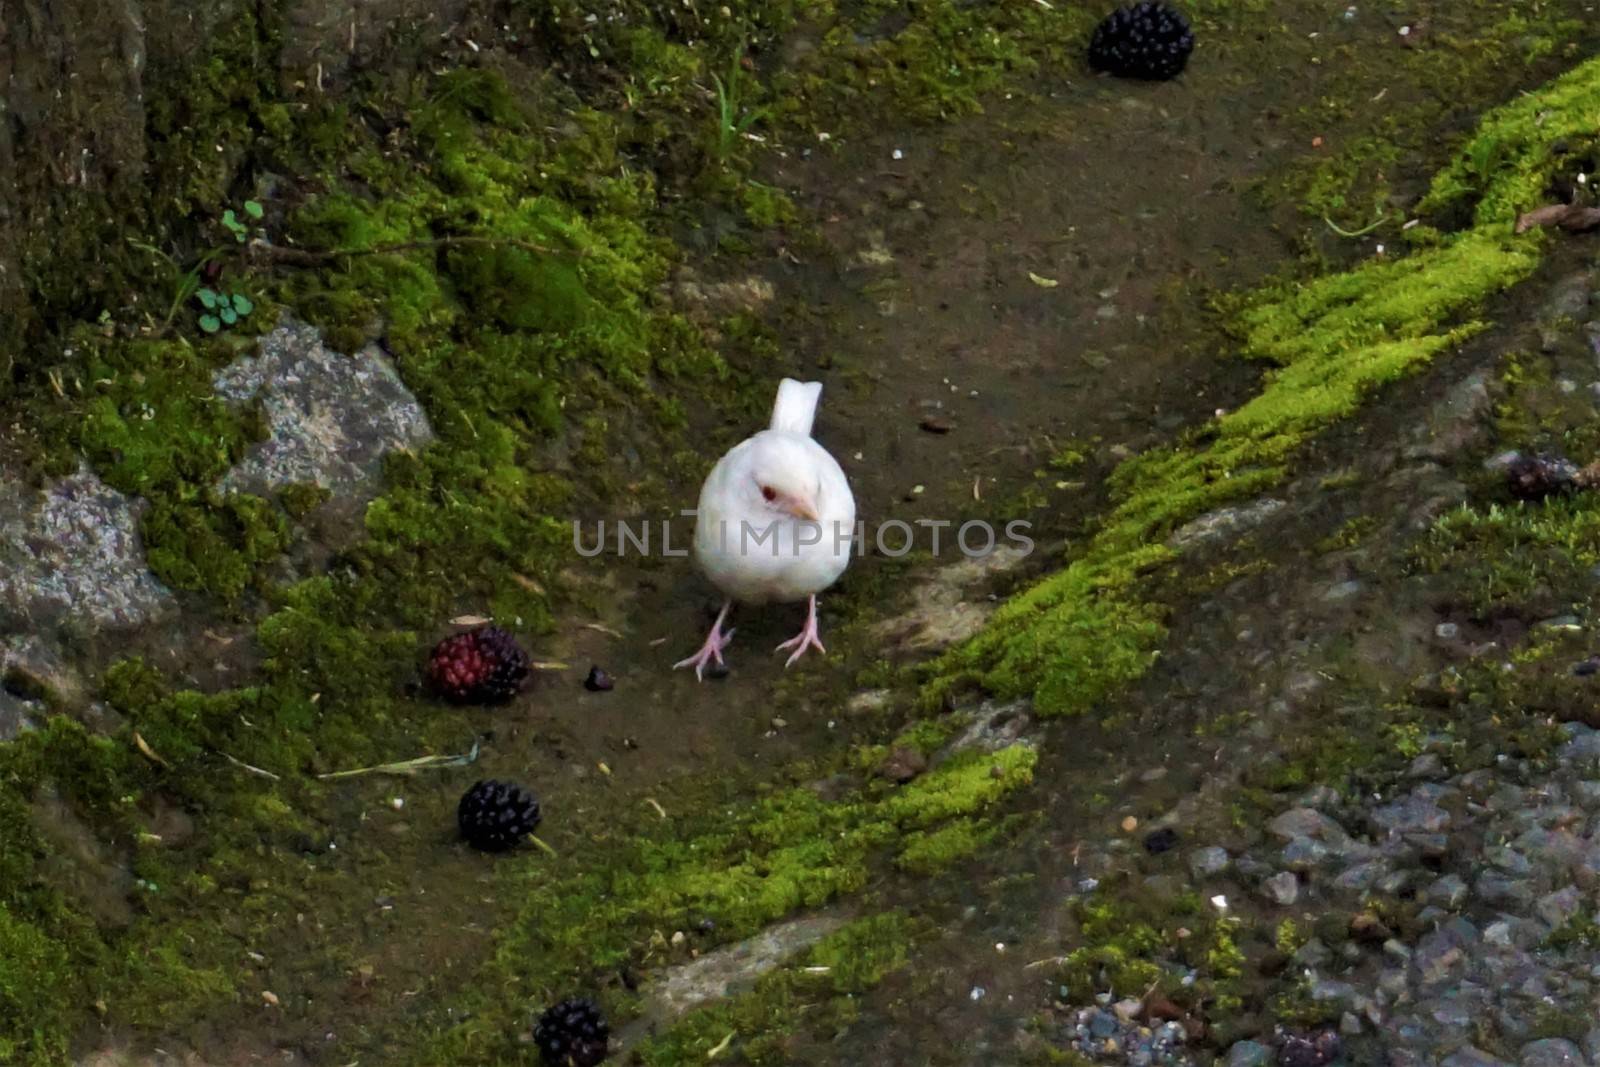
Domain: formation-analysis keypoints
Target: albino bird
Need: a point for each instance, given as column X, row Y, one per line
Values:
column 775, row 522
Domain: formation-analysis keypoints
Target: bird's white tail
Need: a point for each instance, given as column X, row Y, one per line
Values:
column 796, row 406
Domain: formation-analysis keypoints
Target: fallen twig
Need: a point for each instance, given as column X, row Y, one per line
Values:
column 1573, row 218
column 148, row 752
column 410, row 766
column 253, row 770
column 1379, row 221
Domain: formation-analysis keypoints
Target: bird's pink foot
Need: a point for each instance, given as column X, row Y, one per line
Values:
column 711, row 651
column 806, row 638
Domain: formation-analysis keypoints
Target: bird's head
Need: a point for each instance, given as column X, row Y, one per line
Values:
column 784, row 480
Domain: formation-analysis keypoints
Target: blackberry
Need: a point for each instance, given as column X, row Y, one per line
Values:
column 482, row 666
column 572, row 1034
column 1145, row 40
column 494, row 816
column 1533, row 478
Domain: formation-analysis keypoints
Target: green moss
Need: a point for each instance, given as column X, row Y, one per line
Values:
column 1349, row 535
column 1536, row 558
column 741, row 870
column 35, row 993
column 1580, row 931
column 1132, row 942
column 929, row 851
column 1083, row 633
column 1509, row 162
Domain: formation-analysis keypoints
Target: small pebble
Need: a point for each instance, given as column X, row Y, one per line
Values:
column 1130, row 824
column 598, row 681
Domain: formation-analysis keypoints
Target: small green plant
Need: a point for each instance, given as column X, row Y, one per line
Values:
column 222, row 309
column 240, row 230
column 733, row 118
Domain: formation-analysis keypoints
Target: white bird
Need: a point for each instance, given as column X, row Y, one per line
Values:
column 776, row 522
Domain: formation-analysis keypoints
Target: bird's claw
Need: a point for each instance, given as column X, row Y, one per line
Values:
column 710, row 652
column 807, row 638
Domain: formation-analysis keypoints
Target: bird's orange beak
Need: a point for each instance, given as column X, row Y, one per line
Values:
column 801, row 508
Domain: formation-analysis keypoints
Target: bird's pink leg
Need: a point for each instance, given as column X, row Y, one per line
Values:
column 711, row 651
column 806, row 638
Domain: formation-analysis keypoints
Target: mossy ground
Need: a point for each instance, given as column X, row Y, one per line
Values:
column 493, row 227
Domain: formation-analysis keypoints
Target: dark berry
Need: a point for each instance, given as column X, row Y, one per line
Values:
column 572, row 1034
column 1315, row 1050
column 1161, row 841
column 482, row 666
column 1533, row 478
column 1145, row 40
column 598, row 681
column 494, row 816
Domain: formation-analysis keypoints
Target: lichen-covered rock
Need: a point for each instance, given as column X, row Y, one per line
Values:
column 70, row 555
column 330, row 417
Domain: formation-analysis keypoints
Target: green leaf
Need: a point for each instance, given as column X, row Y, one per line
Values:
column 231, row 221
column 210, row 323
column 242, row 304
column 253, row 209
column 208, row 298
column 229, row 315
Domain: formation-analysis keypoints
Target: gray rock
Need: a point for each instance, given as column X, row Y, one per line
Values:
column 71, row 556
column 1417, row 813
column 1248, row 1054
column 1393, row 882
column 1321, row 797
column 1583, row 748
column 331, row 418
column 1455, row 422
column 1312, row 954
column 1304, row 854
column 1339, row 994
column 1556, row 908
column 712, row 975
column 1282, row 888
column 1448, row 891
column 1502, row 890
column 1471, row 1057
column 1308, row 823
column 1427, row 765
column 1224, row 524
column 1443, row 952
column 1342, row 591
column 16, row 716
column 1591, row 1045
column 1560, row 849
column 1508, row 860
column 1205, row 862
column 1551, row 1052
column 1361, row 877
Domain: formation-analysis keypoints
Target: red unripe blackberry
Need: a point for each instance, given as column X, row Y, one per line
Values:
column 482, row 666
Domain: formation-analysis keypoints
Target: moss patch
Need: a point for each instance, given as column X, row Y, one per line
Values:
column 1083, row 633
column 740, row 870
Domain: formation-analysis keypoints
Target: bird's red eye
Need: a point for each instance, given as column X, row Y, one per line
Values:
column 768, row 493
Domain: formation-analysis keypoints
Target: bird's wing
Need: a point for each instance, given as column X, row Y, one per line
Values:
column 796, row 406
